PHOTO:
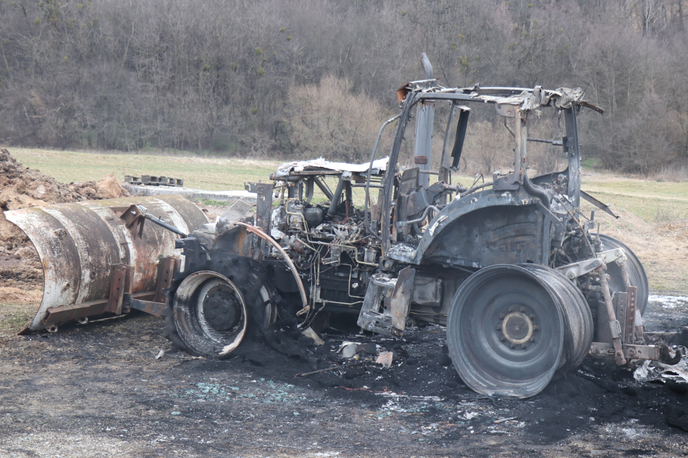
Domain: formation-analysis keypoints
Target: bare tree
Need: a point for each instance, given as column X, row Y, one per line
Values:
column 328, row 120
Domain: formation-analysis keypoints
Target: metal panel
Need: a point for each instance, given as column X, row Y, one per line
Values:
column 80, row 244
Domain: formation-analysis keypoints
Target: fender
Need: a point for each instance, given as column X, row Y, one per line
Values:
column 485, row 228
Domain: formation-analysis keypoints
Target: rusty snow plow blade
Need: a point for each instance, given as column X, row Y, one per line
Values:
column 97, row 261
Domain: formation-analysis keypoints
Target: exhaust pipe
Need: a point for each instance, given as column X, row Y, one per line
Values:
column 91, row 258
column 422, row 154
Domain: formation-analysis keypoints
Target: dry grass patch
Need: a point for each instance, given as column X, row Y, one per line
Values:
column 18, row 306
column 661, row 246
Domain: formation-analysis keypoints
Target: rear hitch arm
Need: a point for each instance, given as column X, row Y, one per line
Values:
column 580, row 268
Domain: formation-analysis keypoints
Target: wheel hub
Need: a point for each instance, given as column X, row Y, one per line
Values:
column 220, row 309
column 517, row 328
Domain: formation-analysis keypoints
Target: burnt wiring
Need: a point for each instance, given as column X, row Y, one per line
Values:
column 473, row 188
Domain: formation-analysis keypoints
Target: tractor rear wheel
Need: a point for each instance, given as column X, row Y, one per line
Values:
column 511, row 327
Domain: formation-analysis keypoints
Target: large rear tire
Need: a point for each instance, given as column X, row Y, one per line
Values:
column 510, row 328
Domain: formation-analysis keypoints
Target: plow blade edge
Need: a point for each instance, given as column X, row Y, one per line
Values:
column 90, row 257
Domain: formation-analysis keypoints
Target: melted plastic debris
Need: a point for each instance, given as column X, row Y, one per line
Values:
column 651, row 371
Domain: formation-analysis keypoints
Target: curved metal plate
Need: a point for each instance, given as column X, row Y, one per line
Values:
column 80, row 244
column 59, row 256
column 192, row 216
column 96, row 246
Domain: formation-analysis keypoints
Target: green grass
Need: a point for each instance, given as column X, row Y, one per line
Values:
column 591, row 163
column 220, row 203
column 214, row 174
column 653, row 201
column 633, row 186
column 650, row 200
column 647, row 208
column 13, row 319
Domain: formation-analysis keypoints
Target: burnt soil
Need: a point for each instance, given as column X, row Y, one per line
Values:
column 98, row 390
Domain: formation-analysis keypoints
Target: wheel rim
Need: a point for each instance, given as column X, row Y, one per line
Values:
column 505, row 332
column 209, row 314
column 636, row 272
column 578, row 322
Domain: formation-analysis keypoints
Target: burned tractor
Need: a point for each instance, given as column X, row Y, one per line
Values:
column 523, row 281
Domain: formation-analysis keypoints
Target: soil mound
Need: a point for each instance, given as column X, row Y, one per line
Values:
column 109, row 188
column 22, row 187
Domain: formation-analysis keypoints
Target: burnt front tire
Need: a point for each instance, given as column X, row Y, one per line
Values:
column 636, row 272
column 209, row 313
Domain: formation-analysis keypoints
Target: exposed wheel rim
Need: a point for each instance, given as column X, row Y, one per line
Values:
column 269, row 308
column 636, row 272
column 578, row 322
column 209, row 313
column 505, row 332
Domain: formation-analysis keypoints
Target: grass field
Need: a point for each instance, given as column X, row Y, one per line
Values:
column 654, row 214
column 214, row 174
column 657, row 201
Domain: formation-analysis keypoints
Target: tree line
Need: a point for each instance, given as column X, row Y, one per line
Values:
column 305, row 77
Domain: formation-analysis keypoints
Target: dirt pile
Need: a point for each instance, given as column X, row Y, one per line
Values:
column 22, row 187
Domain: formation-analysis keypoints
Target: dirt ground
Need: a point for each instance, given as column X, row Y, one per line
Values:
column 98, row 390
column 662, row 247
column 117, row 387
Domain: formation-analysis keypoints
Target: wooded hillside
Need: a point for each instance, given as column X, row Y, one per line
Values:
column 246, row 77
